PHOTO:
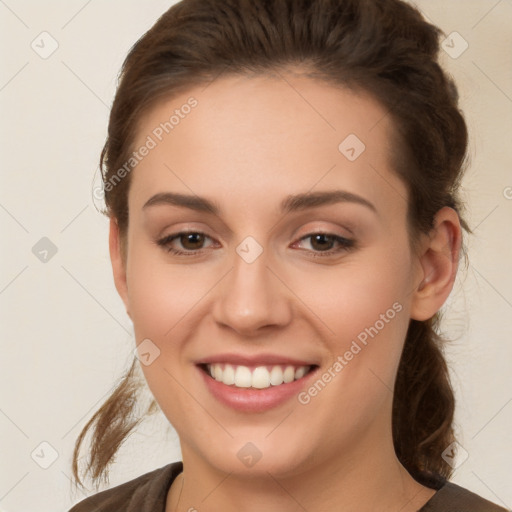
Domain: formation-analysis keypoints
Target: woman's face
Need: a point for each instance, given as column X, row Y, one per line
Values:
column 280, row 161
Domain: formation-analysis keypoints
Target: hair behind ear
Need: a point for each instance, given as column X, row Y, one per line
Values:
column 110, row 426
column 423, row 404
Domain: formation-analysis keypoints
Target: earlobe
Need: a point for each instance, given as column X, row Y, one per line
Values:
column 438, row 265
column 118, row 262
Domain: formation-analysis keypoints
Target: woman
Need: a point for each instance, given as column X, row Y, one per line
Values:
column 281, row 179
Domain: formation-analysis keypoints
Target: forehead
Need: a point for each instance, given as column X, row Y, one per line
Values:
column 258, row 137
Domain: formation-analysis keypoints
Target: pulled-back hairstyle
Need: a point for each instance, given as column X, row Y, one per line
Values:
column 381, row 47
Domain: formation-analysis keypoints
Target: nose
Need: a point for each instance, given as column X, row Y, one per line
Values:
column 252, row 297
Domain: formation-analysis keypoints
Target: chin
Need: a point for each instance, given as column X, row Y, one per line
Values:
column 258, row 458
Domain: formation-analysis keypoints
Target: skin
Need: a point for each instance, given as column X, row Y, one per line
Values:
column 249, row 143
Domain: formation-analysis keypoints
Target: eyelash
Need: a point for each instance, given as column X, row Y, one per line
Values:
column 345, row 243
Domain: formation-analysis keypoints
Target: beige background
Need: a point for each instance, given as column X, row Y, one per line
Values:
column 65, row 335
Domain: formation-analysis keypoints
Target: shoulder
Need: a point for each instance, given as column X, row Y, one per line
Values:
column 147, row 492
column 454, row 498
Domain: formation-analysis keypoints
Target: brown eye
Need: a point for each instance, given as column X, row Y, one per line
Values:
column 190, row 243
column 326, row 244
column 322, row 242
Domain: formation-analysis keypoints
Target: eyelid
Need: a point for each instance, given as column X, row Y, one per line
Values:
column 166, row 239
column 329, row 230
column 344, row 242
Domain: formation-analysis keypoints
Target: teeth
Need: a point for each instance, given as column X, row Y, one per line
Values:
column 289, row 374
column 300, row 372
column 260, row 377
column 243, row 377
column 228, row 375
column 276, row 376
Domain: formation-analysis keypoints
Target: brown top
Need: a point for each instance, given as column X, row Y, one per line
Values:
column 148, row 493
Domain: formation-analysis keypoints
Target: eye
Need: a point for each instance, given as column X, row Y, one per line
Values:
column 322, row 243
column 192, row 243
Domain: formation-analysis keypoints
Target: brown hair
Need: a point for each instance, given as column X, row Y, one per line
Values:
column 382, row 47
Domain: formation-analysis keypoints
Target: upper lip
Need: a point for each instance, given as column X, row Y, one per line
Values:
column 254, row 360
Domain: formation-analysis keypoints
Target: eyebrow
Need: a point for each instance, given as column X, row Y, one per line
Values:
column 291, row 203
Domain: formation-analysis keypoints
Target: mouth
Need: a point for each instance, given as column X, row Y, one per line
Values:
column 256, row 377
column 255, row 383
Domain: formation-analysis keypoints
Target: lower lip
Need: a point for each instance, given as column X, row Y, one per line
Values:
column 251, row 399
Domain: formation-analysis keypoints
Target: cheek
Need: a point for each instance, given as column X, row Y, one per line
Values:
column 160, row 294
column 365, row 306
column 347, row 297
column 163, row 299
column 352, row 296
column 342, row 305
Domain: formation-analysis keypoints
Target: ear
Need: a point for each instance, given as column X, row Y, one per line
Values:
column 438, row 259
column 118, row 262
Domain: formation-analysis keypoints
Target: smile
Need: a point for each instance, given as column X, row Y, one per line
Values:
column 258, row 377
column 255, row 383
